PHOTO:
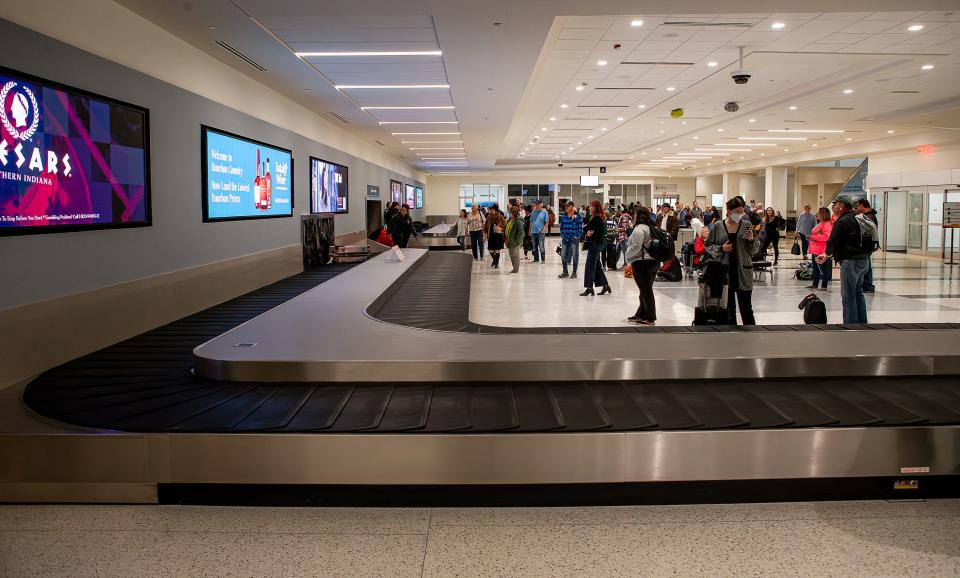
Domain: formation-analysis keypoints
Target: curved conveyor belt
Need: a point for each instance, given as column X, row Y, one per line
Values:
column 145, row 384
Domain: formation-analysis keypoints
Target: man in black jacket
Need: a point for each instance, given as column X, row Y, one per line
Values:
column 845, row 247
column 863, row 205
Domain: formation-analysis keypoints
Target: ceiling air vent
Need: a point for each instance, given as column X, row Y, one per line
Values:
column 707, row 24
column 659, row 63
column 840, row 108
column 240, row 55
column 338, row 117
column 904, row 92
column 379, row 143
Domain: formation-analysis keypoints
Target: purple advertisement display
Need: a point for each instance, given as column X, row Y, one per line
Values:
column 69, row 160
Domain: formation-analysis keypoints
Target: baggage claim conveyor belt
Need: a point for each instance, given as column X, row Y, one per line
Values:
column 376, row 419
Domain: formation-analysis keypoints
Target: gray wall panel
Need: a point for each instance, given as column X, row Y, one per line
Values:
column 39, row 267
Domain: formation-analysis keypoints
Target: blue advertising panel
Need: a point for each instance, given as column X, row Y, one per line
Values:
column 70, row 160
column 328, row 187
column 244, row 178
column 419, row 198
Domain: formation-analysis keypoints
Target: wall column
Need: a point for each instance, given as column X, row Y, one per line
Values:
column 731, row 185
column 775, row 189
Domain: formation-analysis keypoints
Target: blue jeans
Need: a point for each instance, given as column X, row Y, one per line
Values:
column 868, row 278
column 622, row 252
column 476, row 244
column 821, row 273
column 570, row 253
column 538, row 243
column 852, row 272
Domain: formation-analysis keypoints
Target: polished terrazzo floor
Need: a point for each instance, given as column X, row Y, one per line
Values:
column 909, row 290
column 911, row 538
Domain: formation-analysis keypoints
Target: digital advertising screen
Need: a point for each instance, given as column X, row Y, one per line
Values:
column 396, row 191
column 419, row 198
column 244, row 178
column 589, row 180
column 409, row 196
column 328, row 187
column 70, row 160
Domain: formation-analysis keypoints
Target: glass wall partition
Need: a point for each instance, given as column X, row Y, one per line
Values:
column 484, row 194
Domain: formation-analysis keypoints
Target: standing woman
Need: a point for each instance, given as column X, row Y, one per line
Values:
column 515, row 237
column 594, row 238
column 732, row 243
column 475, row 222
column 494, row 232
column 462, row 228
column 402, row 227
column 818, row 246
column 644, row 268
column 771, row 227
column 624, row 226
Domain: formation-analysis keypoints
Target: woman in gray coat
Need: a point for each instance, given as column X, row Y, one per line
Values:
column 733, row 243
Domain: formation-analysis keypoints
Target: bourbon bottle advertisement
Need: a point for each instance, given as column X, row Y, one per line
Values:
column 245, row 178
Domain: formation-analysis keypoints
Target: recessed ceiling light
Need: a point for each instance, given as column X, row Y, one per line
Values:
column 594, row 156
column 915, row 27
column 590, row 136
column 603, row 129
column 641, row 106
column 662, row 131
column 553, row 118
column 658, row 148
column 740, row 144
column 564, row 105
column 763, row 154
column 696, row 138
column 601, row 63
column 848, row 91
column 580, row 88
column 777, row 25
column 671, row 88
column 430, row 133
column 579, row 143
column 636, row 23
column 374, row 53
column 926, row 67
column 813, row 130
column 722, row 150
column 712, row 64
column 792, row 108
column 741, row 158
column 619, row 119
column 406, row 108
column 571, row 148
column 752, row 120
column 643, row 153
column 891, row 131
column 389, row 86
column 815, row 146
column 849, row 139
column 675, row 144
column 719, row 130
column 786, row 150
column 772, row 138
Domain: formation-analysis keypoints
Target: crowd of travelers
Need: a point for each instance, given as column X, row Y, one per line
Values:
column 727, row 242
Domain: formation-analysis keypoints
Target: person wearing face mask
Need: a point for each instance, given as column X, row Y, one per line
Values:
column 844, row 246
column 733, row 243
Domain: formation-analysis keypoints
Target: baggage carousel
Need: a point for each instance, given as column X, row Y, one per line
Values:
column 375, row 376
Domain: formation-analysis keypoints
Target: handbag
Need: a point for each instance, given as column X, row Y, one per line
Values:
column 628, row 271
column 795, row 250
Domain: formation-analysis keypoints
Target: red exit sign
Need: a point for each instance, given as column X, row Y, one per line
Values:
column 925, row 149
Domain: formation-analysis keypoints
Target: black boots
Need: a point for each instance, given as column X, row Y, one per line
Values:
column 587, row 291
column 606, row 289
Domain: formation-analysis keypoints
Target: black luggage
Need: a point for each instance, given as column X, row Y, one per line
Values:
column 671, row 271
column 814, row 311
column 711, row 309
column 610, row 256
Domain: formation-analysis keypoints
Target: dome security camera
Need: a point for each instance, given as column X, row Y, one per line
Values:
column 740, row 76
column 731, row 107
column 560, row 164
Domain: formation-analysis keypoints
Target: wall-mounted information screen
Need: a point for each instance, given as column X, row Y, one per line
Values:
column 328, row 187
column 419, row 198
column 244, row 178
column 396, row 191
column 70, row 160
column 409, row 195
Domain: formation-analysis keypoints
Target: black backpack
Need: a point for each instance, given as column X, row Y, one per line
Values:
column 814, row 311
column 661, row 246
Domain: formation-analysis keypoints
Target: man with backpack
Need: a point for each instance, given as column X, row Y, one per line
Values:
column 852, row 241
column 863, row 205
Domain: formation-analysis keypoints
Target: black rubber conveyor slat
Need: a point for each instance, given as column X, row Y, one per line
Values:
column 364, row 409
column 408, row 408
column 579, row 410
column 322, row 409
column 536, row 408
column 449, row 408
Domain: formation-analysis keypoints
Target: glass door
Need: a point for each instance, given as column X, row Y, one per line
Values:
column 877, row 200
column 916, row 222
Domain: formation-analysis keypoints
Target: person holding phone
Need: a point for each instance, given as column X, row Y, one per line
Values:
column 733, row 243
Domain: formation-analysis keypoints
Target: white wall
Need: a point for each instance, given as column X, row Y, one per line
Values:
column 709, row 185
column 911, row 168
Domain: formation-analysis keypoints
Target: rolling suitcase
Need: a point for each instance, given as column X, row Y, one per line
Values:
column 710, row 310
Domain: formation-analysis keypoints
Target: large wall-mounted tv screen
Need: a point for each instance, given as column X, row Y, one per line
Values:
column 410, row 196
column 328, row 187
column 70, row 160
column 396, row 191
column 419, row 198
column 244, row 178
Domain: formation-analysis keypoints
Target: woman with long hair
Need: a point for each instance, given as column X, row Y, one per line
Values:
column 733, row 243
column 821, row 273
column 475, row 226
column 644, row 268
column 594, row 238
column 515, row 237
column 462, row 228
column 771, row 227
column 494, row 232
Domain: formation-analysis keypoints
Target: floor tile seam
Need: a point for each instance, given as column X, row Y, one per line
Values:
column 426, row 545
column 234, row 532
column 689, row 522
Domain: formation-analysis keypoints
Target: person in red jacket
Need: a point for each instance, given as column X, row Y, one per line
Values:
column 700, row 246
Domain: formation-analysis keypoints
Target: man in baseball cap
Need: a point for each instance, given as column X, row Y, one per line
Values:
column 848, row 247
